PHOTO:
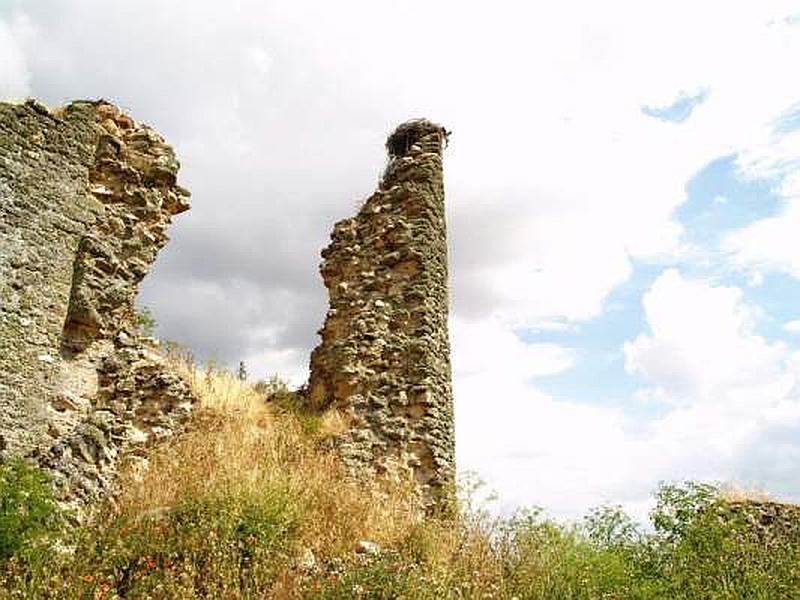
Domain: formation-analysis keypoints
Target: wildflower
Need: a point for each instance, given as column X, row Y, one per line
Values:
column 87, row 578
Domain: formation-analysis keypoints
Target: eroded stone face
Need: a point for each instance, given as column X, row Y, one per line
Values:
column 766, row 521
column 384, row 358
column 86, row 195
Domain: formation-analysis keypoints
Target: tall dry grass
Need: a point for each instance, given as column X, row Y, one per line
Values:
column 240, row 443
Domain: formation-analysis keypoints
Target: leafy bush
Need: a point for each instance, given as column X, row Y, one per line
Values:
column 611, row 527
column 228, row 547
column 705, row 550
column 28, row 512
column 386, row 577
column 678, row 505
column 549, row 561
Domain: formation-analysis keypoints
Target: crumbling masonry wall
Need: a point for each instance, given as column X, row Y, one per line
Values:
column 766, row 521
column 86, row 195
column 384, row 358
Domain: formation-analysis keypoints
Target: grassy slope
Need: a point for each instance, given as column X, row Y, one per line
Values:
column 253, row 503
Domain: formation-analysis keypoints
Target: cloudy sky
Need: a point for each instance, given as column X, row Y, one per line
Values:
column 623, row 204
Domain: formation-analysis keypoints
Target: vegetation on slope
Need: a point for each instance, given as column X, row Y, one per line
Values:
column 253, row 503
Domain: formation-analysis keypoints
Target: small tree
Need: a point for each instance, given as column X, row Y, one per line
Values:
column 145, row 321
column 610, row 527
column 679, row 504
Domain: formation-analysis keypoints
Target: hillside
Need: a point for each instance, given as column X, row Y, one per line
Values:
column 252, row 502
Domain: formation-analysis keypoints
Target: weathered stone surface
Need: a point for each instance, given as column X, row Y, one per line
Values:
column 766, row 521
column 384, row 358
column 86, row 195
column 138, row 402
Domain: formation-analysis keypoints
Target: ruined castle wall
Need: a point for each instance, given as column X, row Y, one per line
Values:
column 766, row 521
column 44, row 210
column 384, row 356
column 86, row 195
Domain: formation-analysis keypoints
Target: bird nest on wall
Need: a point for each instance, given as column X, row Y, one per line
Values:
column 406, row 135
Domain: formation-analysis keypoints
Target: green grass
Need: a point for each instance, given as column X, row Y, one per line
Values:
column 28, row 513
column 209, row 548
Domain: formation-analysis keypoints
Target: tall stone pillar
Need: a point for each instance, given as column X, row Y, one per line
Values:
column 384, row 358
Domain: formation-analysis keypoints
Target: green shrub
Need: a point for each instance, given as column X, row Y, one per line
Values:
column 385, row 577
column 231, row 547
column 678, row 505
column 550, row 561
column 611, row 527
column 708, row 551
column 28, row 512
column 277, row 392
column 146, row 323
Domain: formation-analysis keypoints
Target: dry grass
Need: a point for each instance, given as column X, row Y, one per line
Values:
column 241, row 444
column 739, row 492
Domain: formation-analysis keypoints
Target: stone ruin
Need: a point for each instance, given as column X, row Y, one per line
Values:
column 86, row 195
column 384, row 358
column 766, row 521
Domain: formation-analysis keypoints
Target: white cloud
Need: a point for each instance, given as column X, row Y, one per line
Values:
column 483, row 343
column 524, row 443
column 728, row 400
column 14, row 74
column 769, row 244
column 550, row 142
column 756, row 279
column 591, row 109
column 730, row 387
column 792, row 326
column 287, row 364
column 702, row 344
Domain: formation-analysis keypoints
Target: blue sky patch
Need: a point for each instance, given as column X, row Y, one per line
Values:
column 789, row 121
column 679, row 111
column 599, row 376
column 772, row 297
column 719, row 201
